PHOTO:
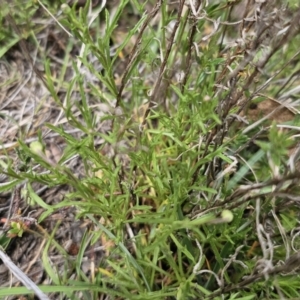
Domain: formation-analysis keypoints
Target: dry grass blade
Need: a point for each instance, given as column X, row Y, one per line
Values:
column 25, row 49
column 22, row 276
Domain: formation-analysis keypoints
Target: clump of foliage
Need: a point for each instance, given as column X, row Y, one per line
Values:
column 189, row 176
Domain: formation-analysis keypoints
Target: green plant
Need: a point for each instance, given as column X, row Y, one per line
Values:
column 176, row 187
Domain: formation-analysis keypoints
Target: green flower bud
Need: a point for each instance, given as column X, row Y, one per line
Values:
column 227, row 215
column 36, row 147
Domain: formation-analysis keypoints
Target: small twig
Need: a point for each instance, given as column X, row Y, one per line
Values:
column 193, row 31
column 59, row 24
column 134, row 51
column 20, row 275
column 292, row 263
column 164, row 63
